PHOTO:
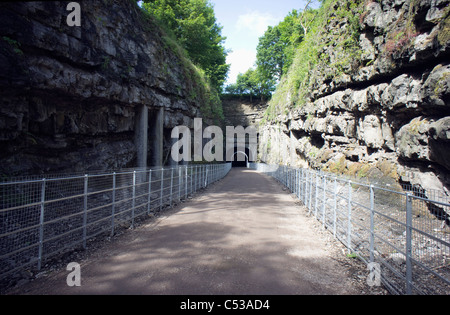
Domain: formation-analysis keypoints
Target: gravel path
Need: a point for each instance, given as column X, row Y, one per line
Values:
column 245, row 235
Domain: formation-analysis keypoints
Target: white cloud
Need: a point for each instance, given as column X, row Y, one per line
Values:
column 241, row 60
column 256, row 22
column 248, row 28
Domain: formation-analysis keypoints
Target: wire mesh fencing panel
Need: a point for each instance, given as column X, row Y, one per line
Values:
column 406, row 232
column 41, row 218
column 21, row 223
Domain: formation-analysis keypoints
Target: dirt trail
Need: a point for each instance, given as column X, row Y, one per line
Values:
column 245, row 235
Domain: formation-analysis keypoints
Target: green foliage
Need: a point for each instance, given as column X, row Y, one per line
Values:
column 311, row 58
column 251, row 84
column 275, row 53
column 194, row 24
column 272, row 50
column 352, row 255
column 202, row 83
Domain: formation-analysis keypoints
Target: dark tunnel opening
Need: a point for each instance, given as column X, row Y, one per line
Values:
column 240, row 158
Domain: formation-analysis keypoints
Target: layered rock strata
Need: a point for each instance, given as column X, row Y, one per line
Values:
column 70, row 96
column 388, row 117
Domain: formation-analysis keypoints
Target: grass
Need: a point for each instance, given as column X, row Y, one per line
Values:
column 352, row 255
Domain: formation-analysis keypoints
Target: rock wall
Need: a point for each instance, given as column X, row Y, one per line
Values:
column 388, row 117
column 240, row 112
column 70, row 95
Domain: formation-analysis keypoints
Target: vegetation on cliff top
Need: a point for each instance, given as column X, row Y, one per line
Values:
column 275, row 54
column 331, row 50
column 190, row 30
column 311, row 56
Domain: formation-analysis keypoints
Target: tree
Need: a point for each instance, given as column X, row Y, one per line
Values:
column 194, row 24
column 276, row 48
column 233, row 89
column 245, row 83
column 252, row 84
column 270, row 52
column 275, row 53
column 307, row 17
column 264, row 84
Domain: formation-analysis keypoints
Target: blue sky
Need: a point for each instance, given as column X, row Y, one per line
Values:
column 244, row 21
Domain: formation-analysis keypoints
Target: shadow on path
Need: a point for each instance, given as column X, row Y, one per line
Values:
column 243, row 236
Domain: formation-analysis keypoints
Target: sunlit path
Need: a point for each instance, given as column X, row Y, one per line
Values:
column 243, row 236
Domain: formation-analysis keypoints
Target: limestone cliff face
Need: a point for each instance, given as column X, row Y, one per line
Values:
column 69, row 95
column 244, row 113
column 384, row 113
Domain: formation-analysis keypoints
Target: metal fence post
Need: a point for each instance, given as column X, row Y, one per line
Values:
column 302, row 185
column 149, row 200
column 202, row 177
column 179, row 183
column 192, row 179
column 86, row 181
column 301, row 179
column 162, row 189
column 324, row 204
column 292, row 180
column 41, row 225
column 306, row 186
column 299, row 183
column 310, row 190
column 286, row 175
column 289, row 178
column 349, row 217
column 334, row 207
column 196, row 177
column 186, row 182
column 133, row 205
column 171, row 187
column 372, row 225
column 317, row 195
column 299, row 193
column 113, row 210
column 408, row 244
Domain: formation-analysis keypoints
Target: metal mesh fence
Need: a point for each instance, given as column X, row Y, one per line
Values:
column 406, row 232
column 41, row 218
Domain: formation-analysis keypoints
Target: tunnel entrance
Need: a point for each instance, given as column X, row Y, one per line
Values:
column 240, row 158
